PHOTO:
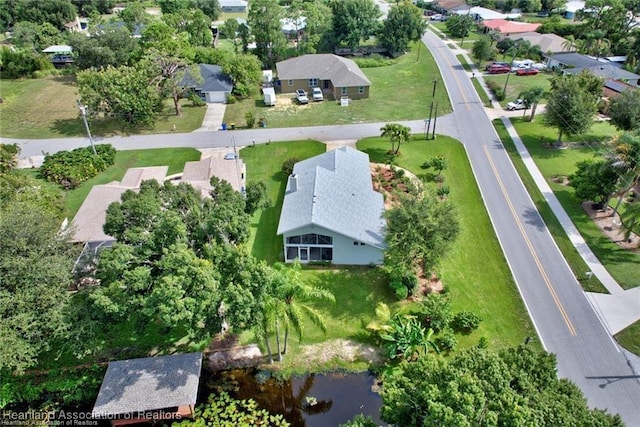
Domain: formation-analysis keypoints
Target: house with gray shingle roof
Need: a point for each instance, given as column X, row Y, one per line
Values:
column 214, row 85
column 332, row 73
column 149, row 390
column 331, row 212
column 575, row 63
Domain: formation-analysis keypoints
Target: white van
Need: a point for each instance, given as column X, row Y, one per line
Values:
column 269, row 96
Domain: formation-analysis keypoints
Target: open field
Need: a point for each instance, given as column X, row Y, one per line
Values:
column 46, row 108
column 623, row 265
column 397, row 93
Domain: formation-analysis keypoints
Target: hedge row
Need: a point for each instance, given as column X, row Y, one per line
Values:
column 72, row 168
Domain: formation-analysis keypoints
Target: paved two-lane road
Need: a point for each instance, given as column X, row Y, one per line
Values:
column 561, row 313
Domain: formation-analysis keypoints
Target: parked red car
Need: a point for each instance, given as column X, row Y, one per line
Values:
column 498, row 69
column 527, row 72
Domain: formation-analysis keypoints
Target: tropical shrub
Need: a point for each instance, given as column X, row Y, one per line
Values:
column 287, row 165
column 72, row 168
column 465, row 321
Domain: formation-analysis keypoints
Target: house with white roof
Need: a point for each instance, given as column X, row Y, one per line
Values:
column 331, row 212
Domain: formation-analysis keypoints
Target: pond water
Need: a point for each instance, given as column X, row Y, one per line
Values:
column 322, row 400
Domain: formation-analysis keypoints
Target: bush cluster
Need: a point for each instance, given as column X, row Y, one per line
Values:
column 21, row 63
column 496, row 89
column 465, row 321
column 72, row 168
column 373, row 61
column 287, row 165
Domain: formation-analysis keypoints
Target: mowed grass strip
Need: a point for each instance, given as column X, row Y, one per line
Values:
column 623, row 265
column 175, row 158
column 519, row 84
column 46, row 108
column 474, row 271
column 264, row 163
column 397, row 93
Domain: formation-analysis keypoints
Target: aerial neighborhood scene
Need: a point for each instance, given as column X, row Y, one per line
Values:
column 353, row 213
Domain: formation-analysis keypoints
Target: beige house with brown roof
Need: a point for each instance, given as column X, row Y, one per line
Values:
column 332, row 73
column 548, row 43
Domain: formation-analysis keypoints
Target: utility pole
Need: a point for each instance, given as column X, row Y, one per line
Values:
column 83, row 111
column 433, row 96
column 435, row 118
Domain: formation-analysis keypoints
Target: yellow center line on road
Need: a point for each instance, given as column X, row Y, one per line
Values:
column 455, row 76
column 545, row 277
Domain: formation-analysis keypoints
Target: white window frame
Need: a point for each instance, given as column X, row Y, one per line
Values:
column 360, row 90
column 344, row 90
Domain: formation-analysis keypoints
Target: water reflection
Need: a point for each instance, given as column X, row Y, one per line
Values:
column 313, row 400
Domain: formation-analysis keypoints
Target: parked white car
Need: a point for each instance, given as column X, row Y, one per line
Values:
column 518, row 104
column 436, row 17
column 316, row 94
column 301, row 96
column 539, row 66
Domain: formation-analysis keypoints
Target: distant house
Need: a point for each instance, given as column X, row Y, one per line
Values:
column 293, row 28
column 331, row 212
column 548, row 43
column 484, row 14
column 89, row 221
column 59, row 55
column 613, row 88
column 149, row 390
column 450, row 6
column 506, row 28
column 233, row 5
column 333, row 74
column 114, row 25
column 199, row 173
column 78, row 25
column 574, row 63
column 214, row 87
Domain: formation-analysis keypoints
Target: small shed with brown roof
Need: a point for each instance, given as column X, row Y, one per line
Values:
column 332, row 73
column 149, row 390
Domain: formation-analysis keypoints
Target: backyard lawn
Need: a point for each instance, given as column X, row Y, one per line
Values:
column 398, row 92
column 623, row 265
column 46, row 108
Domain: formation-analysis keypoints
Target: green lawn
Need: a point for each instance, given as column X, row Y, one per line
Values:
column 519, row 84
column 175, row 158
column 264, row 163
column 629, row 338
column 398, row 92
column 481, row 93
column 46, row 108
column 623, row 265
column 474, row 271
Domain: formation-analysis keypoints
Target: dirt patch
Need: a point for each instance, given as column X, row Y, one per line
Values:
column 346, row 350
column 611, row 226
column 560, row 179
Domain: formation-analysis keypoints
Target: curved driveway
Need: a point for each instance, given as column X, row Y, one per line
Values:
column 566, row 323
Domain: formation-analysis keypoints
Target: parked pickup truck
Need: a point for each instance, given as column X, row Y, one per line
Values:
column 301, row 96
column 518, row 104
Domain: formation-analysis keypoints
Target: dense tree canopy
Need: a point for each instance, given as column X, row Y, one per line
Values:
column 595, row 181
column 420, row 231
column 55, row 12
column 403, row 25
column 35, row 36
column 354, row 21
column 35, row 265
column 123, row 92
column 113, row 46
column 625, row 110
column 571, row 104
column 459, row 25
column 264, row 21
column 516, row 386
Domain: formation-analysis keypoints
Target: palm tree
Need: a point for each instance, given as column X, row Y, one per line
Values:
column 630, row 219
column 570, row 43
column 532, row 97
column 397, row 133
column 295, row 296
column 625, row 153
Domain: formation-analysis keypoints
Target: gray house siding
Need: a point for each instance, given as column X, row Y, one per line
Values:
column 344, row 250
